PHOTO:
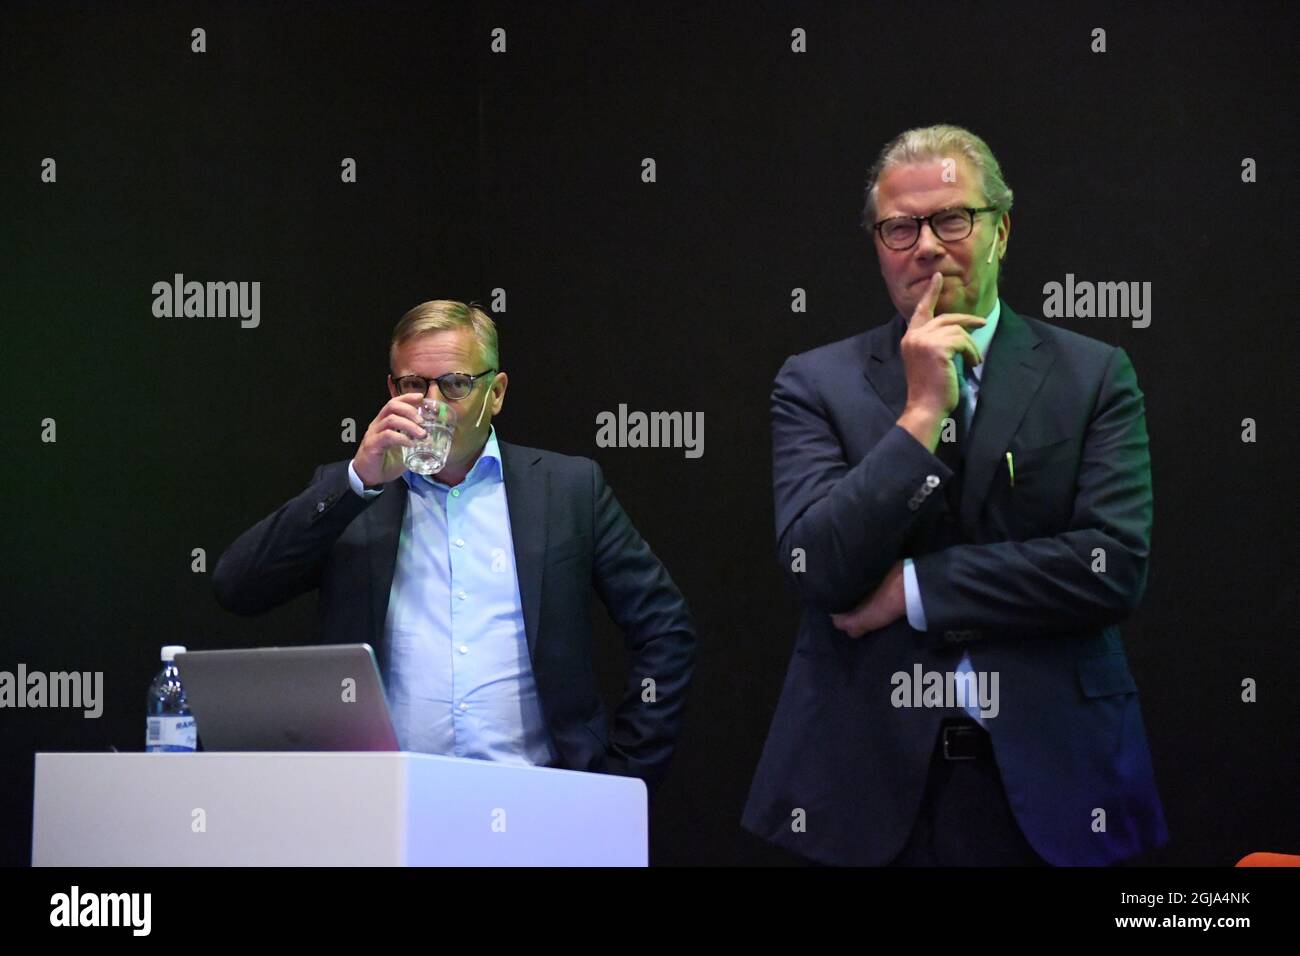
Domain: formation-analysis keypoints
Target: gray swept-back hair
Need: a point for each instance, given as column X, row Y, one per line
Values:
column 938, row 142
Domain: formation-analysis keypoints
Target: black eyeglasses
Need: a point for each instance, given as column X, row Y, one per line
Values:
column 950, row 225
column 453, row 386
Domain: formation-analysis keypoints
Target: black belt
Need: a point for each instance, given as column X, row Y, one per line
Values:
column 961, row 738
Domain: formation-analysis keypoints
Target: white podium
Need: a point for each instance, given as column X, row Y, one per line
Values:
column 329, row 809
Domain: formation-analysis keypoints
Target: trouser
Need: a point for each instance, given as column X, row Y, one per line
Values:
column 965, row 818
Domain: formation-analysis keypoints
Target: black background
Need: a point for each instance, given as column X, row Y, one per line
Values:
column 521, row 171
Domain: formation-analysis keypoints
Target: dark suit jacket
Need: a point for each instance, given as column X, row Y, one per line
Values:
column 1010, row 578
column 570, row 535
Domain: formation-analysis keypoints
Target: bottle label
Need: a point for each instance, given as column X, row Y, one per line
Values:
column 164, row 734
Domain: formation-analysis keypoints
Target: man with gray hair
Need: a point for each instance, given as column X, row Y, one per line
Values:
column 963, row 504
column 444, row 574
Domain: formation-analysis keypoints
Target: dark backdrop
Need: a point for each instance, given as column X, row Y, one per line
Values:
column 521, row 171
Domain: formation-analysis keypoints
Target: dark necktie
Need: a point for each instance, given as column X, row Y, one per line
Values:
column 953, row 453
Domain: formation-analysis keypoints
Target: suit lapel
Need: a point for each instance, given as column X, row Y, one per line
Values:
column 1015, row 368
column 383, row 529
column 884, row 364
column 527, row 493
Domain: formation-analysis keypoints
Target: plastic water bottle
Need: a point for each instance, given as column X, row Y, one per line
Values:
column 169, row 726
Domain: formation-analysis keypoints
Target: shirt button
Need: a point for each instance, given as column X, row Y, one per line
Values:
column 460, row 542
column 320, row 506
column 461, row 595
column 464, row 706
column 464, row 648
column 455, row 492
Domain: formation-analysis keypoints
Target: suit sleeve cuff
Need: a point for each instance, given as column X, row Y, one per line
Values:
column 912, row 594
column 360, row 488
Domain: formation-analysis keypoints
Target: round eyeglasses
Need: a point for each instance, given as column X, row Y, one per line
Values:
column 949, row 225
column 453, row 386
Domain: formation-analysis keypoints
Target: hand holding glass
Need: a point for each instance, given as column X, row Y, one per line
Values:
column 428, row 455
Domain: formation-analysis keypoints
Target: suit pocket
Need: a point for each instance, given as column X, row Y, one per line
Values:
column 1037, row 488
column 1033, row 458
column 1105, row 676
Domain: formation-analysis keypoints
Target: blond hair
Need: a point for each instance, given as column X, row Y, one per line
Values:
column 444, row 315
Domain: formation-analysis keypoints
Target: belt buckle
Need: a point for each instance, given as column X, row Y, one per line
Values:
column 947, row 755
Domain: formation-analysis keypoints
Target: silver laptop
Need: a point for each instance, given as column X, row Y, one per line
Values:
column 328, row 697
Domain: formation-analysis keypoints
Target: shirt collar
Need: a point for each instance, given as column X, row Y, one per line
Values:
column 487, row 468
column 983, row 337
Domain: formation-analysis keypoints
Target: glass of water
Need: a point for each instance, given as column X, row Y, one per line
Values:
column 428, row 455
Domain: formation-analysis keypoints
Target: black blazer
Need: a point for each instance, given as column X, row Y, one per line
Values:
column 1010, row 578
column 570, row 535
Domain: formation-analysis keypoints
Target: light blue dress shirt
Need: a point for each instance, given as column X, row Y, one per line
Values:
column 982, row 336
column 459, row 679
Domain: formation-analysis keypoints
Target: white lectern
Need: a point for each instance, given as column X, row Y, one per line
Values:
column 329, row 809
